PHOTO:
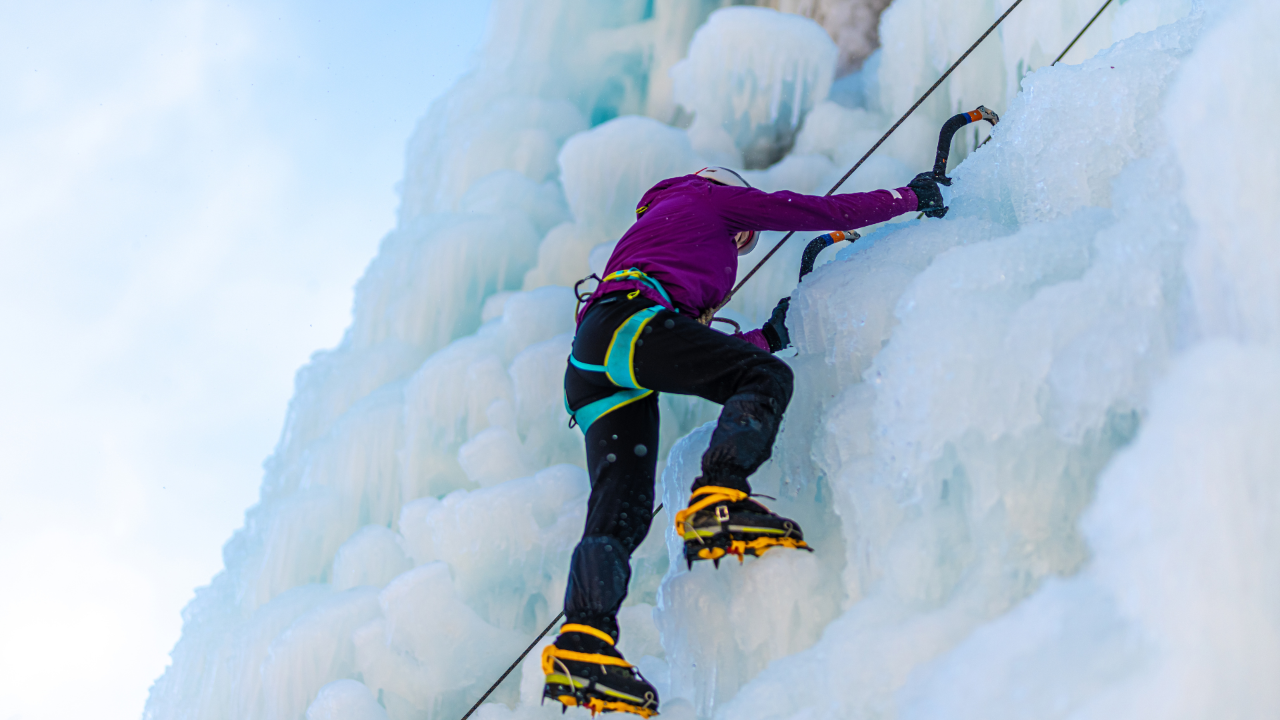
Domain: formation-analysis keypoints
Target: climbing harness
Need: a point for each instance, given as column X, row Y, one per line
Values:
column 635, row 274
column 628, row 274
column 585, row 416
column 879, row 142
column 619, row 357
column 583, row 296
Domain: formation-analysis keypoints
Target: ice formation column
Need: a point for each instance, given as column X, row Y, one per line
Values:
column 750, row 77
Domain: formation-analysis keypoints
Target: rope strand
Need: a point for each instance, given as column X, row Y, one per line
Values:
column 1065, row 50
column 504, row 675
column 1081, row 33
column 527, row 650
column 879, row 142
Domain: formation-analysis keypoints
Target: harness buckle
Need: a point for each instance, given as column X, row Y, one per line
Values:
column 722, row 513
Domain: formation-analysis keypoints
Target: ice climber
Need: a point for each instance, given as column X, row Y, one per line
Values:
column 639, row 335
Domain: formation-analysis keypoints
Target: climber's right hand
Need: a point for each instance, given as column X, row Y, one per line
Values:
column 928, row 196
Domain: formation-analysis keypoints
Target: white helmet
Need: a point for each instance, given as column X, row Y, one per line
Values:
column 747, row 239
column 723, row 175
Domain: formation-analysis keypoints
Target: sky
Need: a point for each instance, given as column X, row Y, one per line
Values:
column 189, row 190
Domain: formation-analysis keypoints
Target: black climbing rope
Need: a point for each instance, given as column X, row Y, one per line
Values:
column 1056, row 60
column 527, row 650
column 1081, row 33
column 520, row 659
column 879, row 142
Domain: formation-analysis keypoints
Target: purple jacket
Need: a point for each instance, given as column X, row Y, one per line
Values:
column 684, row 235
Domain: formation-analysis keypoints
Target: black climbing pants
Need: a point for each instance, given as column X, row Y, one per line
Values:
column 673, row 354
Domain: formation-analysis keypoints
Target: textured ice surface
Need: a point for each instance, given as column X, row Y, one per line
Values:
column 345, row 700
column 1232, row 265
column 1032, row 443
column 750, row 77
column 1175, row 617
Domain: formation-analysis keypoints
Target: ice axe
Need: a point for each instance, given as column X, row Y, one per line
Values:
column 949, row 128
column 820, row 243
column 939, row 172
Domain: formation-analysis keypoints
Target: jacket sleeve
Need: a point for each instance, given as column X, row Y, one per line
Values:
column 755, row 337
column 751, row 209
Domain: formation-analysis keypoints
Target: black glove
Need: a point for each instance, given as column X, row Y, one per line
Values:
column 928, row 196
column 775, row 330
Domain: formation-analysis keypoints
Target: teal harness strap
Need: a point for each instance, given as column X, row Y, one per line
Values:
column 619, row 360
column 585, row 366
column 619, row 367
column 593, row 411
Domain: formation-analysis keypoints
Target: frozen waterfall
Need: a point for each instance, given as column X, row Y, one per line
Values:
column 1029, row 441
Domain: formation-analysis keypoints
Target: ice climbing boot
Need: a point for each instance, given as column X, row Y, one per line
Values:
column 722, row 521
column 583, row 669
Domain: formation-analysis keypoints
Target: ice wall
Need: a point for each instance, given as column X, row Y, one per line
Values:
column 1030, row 441
column 1175, row 617
column 751, row 75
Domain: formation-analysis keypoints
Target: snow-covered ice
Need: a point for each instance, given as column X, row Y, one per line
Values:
column 1032, row 443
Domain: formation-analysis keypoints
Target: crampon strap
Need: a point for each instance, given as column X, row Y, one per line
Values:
column 710, row 495
column 551, row 653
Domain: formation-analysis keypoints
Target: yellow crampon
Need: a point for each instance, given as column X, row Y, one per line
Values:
column 551, row 653
column 715, row 545
column 597, row 705
column 756, row 547
column 711, row 495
